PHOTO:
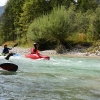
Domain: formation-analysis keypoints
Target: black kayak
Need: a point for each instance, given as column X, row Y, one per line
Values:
column 9, row 67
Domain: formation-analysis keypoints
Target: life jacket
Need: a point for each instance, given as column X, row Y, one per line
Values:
column 34, row 51
column 5, row 50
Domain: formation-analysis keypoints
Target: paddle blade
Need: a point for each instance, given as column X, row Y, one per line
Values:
column 9, row 67
column 15, row 45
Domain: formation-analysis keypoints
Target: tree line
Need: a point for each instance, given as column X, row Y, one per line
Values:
column 50, row 22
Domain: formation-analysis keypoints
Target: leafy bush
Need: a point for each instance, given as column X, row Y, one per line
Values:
column 96, row 24
column 54, row 27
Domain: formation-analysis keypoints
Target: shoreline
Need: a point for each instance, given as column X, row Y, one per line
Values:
column 23, row 51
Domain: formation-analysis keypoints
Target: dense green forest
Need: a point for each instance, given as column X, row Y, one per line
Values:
column 51, row 23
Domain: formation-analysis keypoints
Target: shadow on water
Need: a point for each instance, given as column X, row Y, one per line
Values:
column 3, row 72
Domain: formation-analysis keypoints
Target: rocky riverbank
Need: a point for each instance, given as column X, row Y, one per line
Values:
column 73, row 53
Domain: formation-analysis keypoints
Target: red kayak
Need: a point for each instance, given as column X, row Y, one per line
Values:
column 35, row 56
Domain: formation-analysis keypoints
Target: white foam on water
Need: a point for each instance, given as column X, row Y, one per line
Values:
column 58, row 78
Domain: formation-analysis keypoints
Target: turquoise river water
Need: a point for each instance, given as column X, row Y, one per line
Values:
column 60, row 78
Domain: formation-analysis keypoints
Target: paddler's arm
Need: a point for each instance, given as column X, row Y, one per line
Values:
column 37, row 52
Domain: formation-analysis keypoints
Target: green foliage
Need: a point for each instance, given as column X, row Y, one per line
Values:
column 84, row 5
column 10, row 19
column 96, row 23
column 31, row 10
column 61, row 24
column 54, row 21
column 82, row 22
column 54, row 27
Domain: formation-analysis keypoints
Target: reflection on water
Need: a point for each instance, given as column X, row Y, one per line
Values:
column 60, row 78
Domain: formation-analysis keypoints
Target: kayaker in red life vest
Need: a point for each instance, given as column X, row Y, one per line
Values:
column 35, row 49
column 35, row 53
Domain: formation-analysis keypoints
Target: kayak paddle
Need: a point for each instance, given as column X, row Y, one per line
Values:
column 15, row 45
column 9, row 67
column 8, row 56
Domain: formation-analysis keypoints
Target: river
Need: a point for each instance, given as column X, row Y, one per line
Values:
column 60, row 78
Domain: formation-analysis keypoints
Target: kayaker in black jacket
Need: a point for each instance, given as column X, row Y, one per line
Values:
column 5, row 50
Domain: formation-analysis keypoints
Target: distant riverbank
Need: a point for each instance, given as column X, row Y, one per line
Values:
column 23, row 51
